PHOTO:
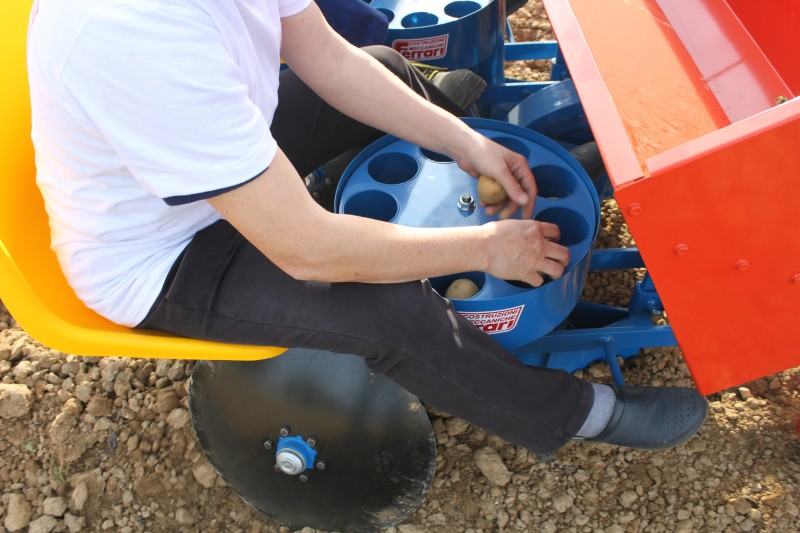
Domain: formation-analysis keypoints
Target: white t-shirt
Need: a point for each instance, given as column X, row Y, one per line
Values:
column 141, row 110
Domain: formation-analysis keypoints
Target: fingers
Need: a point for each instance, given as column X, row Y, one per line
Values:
column 553, row 251
column 515, row 191
column 522, row 191
column 492, row 209
column 505, row 209
column 559, row 254
column 549, row 269
column 527, row 209
column 515, row 176
column 508, row 210
column 550, row 231
column 534, row 280
column 554, row 258
column 527, row 181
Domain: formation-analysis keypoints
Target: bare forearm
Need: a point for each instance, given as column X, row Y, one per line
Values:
column 276, row 214
column 363, row 250
column 378, row 98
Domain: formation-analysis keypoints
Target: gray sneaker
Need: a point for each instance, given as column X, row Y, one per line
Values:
column 653, row 418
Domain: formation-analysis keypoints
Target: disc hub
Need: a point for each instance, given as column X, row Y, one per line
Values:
column 294, row 455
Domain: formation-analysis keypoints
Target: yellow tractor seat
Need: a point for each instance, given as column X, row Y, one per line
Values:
column 32, row 286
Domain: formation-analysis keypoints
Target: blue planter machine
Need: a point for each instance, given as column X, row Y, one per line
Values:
column 395, row 181
column 325, row 444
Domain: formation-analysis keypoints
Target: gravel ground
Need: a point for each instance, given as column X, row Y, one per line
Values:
column 106, row 444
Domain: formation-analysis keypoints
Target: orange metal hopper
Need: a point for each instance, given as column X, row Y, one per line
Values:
column 693, row 106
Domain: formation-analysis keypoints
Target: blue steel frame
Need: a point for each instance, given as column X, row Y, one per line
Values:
column 596, row 332
column 509, row 91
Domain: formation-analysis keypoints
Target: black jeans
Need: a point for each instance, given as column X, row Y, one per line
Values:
column 222, row 288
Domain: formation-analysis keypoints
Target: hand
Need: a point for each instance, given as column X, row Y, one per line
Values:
column 525, row 250
column 509, row 169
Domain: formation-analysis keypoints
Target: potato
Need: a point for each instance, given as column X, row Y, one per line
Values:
column 489, row 191
column 461, row 289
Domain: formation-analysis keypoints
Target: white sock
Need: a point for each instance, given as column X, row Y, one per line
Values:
column 600, row 414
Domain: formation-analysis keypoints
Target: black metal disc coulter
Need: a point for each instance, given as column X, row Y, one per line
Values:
column 374, row 437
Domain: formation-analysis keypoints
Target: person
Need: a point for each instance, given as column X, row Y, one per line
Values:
column 170, row 149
